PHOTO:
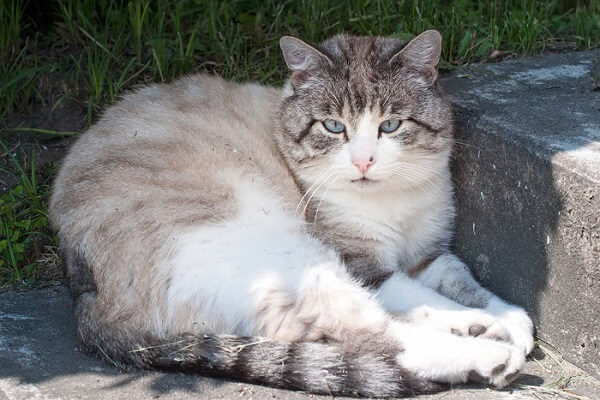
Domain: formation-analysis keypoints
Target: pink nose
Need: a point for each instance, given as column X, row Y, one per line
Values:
column 364, row 165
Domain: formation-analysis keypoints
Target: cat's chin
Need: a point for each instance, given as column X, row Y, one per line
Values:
column 365, row 183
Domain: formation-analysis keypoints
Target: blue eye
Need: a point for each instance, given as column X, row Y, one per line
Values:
column 389, row 126
column 334, row 126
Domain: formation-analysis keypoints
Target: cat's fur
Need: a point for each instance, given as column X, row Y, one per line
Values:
column 221, row 228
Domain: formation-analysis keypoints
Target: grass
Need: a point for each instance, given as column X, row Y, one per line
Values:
column 565, row 375
column 93, row 50
column 23, row 220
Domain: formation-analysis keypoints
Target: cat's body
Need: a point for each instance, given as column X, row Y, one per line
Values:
column 236, row 230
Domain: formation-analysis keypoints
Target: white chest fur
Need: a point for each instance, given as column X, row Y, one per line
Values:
column 405, row 224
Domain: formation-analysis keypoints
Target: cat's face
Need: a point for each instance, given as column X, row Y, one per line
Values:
column 364, row 113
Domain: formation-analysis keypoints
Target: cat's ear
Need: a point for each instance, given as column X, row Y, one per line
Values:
column 422, row 54
column 301, row 58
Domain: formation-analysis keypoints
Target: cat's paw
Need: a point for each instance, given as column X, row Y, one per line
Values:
column 516, row 322
column 447, row 358
column 499, row 364
column 467, row 322
column 520, row 328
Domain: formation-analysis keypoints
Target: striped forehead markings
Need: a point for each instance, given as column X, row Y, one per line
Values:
column 364, row 123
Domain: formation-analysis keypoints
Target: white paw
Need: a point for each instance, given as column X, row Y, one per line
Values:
column 497, row 364
column 466, row 322
column 517, row 323
column 447, row 358
column 520, row 328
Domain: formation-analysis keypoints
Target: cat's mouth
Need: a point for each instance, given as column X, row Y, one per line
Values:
column 364, row 182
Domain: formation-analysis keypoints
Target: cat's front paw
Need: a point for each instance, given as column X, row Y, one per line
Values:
column 500, row 364
column 447, row 358
column 465, row 322
column 520, row 328
column 516, row 321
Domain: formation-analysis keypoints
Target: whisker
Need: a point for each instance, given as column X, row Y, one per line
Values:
column 430, row 170
column 313, row 185
column 323, row 198
column 315, row 192
column 425, row 185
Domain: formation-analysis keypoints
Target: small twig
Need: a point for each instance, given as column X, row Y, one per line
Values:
column 544, row 389
column 536, row 395
column 540, row 365
column 241, row 347
column 553, row 357
column 45, row 131
column 329, row 389
column 154, row 347
column 107, row 357
column 10, row 151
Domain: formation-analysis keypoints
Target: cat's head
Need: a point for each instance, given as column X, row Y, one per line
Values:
column 365, row 113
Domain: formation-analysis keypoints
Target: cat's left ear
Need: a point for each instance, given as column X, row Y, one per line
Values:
column 422, row 54
column 302, row 59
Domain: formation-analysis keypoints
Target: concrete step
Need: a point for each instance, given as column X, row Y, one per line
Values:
column 39, row 359
column 527, row 170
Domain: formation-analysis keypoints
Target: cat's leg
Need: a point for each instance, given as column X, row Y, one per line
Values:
column 450, row 277
column 423, row 306
column 328, row 304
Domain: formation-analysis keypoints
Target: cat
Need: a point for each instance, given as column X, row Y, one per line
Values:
column 296, row 237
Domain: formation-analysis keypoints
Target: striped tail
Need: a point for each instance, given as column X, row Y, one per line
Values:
column 315, row 367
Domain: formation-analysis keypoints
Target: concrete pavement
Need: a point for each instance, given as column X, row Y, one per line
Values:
column 39, row 360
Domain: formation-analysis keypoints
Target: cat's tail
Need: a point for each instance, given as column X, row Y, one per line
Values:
column 315, row 367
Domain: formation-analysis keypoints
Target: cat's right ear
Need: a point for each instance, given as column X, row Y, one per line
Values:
column 302, row 59
column 422, row 54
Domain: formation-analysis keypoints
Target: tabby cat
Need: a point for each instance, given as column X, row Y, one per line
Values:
column 296, row 237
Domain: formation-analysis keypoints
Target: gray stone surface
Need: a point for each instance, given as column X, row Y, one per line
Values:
column 527, row 176
column 39, row 360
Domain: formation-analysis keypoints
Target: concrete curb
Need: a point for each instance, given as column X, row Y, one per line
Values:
column 527, row 171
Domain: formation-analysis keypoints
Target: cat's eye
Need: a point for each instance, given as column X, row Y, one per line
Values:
column 334, row 126
column 389, row 125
